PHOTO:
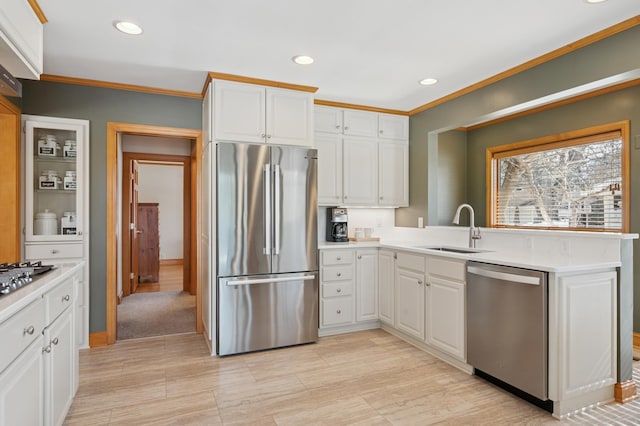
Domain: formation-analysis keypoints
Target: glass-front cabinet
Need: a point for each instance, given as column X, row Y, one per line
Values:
column 54, row 178
column 56, row 200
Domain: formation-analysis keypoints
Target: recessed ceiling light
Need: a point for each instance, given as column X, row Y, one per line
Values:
column 595, row 1
column 128, row 27
column 428, row 81
column 302, row 60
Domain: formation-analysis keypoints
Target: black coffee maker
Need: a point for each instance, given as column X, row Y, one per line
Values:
column 337, row 230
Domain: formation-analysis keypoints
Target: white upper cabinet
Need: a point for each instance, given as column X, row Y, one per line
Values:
column 329, row 149
column 391, row 126
column 251, row 113
column 393, row 174
column 328, row 120
column 360, row 172
column 21, row 40
column 360, row 123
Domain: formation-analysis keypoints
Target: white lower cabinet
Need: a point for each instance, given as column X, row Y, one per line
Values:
column 386, row 286
column 60, row 361
column 410, row 302
column 21, row 396
column 39, row 380
column 366, row 285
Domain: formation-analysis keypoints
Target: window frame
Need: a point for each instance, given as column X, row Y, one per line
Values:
column 565, row 139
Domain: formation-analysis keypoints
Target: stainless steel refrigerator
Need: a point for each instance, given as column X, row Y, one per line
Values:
column 267, row 251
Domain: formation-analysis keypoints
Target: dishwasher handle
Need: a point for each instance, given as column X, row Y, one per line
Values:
column 520, row 279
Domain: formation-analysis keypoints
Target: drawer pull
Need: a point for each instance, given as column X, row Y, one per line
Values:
column 420, row 282
column 54, row 251
column 47, row 349
column 338, row 311
column 29, row 330
column 338, row 290
column 339, row 274
column 66, row 298
column 338, row 258
column 55, row 341
column 360, row 257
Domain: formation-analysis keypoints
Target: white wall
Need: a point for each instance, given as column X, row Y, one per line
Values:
column 163, row 184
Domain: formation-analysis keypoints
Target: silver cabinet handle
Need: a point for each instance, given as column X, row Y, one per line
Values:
column 338, row 311
column 29, row 330
column 66, row 298
column 337, row 126
column 339, row 274
column 345, row 197
column 381, row 131
column 346, row 127
column 268, row 136
column 420, row 282
column 55, row 341
column 54, row 251
column 262, row 135
column 338, row 290
column 428, row 284
column 360, row 257
column 382, row 198
column 395, row 255
column 47, row 349
column 338, row 258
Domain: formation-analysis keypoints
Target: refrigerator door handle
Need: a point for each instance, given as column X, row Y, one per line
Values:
column 267, row 209
column 278, row 206
column 269, row 280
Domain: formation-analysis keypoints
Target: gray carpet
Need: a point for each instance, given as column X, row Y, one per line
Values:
column 156, row 314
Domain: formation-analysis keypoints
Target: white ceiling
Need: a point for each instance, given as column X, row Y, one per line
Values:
column 369, row 52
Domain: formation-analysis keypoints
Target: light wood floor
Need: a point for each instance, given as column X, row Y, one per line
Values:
column 169, row 279
column 365, row 378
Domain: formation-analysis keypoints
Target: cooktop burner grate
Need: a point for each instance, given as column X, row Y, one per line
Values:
column 14, row 276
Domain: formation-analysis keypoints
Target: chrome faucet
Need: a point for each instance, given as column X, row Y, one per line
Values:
column 474, row 233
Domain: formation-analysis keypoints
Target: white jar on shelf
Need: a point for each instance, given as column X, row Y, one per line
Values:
column 45, row 223
column 68, row 223
column 48, row 146
column 49, row 179
column 69, row 149
column 70, row 183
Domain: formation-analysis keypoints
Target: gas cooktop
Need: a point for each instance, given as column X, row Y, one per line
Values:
column 14, row 276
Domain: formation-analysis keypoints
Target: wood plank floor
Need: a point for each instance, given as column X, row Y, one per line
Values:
column 364, row 378
column 169, row 279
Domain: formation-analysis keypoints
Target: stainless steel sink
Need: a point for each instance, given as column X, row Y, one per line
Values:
column 452, row 249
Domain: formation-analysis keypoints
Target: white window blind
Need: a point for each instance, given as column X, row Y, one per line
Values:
column 572, row 184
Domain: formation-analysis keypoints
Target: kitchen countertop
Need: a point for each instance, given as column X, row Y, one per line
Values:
column 13, row 302
column 561, row 261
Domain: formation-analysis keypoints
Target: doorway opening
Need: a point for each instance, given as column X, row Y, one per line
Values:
column 154, row 293
column 178, row 151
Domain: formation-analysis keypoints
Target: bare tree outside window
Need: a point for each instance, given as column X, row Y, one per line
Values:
column 572, row 184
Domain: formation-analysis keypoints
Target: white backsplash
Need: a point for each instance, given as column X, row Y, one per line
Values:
column 359, row 218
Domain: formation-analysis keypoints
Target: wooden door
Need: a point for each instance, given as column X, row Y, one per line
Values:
column 148, row 243
column 133, row 227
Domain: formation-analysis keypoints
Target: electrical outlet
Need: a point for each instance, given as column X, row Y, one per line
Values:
column 636, row 141
column 420, row 222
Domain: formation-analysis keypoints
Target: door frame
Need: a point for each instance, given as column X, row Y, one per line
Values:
column 166, row 159
column 113, row 130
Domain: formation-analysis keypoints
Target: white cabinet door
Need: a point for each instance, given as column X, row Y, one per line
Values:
column 366, row 285
column 360, row 123
column 328, row 120
column 60, row 359
column 391, row 126
column 329, row 169
column 410, row 303
column 393, row 174
column 386, row 286
column 238, row 112
column 445, row 311
column 21, row 396
column 289, row 119
column 360, row 172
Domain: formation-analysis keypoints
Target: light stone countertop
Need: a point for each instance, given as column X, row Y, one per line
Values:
column 561, row 256
column 15, row 301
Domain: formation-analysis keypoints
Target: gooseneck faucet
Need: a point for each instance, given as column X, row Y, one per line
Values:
column 474, row 233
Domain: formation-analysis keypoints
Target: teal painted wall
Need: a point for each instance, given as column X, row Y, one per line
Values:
column 100, row 105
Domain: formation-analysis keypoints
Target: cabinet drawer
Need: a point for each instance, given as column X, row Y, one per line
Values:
column 58, row 299
column 337, row 311
column 338, row 288
column 17, row 332
column 337, row 257
column 52, row 251
column 410, row 261
column 337, row 273
column 451, row 269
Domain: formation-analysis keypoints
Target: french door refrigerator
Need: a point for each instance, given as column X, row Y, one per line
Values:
column 267, row 251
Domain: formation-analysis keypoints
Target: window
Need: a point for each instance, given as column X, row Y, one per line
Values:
column 572, row 181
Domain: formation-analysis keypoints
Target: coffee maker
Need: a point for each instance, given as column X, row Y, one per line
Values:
column 337, row 225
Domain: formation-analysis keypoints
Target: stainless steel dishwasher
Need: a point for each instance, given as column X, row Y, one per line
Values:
column 507, row 326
